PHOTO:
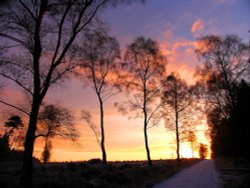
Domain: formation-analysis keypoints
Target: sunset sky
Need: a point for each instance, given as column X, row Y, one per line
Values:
column 175, row 25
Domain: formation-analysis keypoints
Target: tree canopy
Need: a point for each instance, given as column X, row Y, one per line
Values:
column 144, row 66
column 225, row 77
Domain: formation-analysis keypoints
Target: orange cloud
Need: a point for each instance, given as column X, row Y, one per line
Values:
column 198, row 28
column 184, row 71
column 180, row 55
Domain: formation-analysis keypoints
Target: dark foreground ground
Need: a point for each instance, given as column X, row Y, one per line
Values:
column 90, row 174
column 234, row 173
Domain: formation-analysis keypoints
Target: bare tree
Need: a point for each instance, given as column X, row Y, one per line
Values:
column 39, row 38
column 143, row 68
column 225, row 63
column 55, row 121
column 222, row 74
column 180, row 112
column 100, row 53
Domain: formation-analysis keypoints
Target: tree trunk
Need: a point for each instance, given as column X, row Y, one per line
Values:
column 46, row 151
column 146, row 143
column 146, row 121
column 177, row 123
column 26, row 174
column 177, row 141
column 104, row 155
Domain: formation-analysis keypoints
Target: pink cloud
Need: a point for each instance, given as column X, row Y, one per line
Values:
column 198, row 28
column 180, row 54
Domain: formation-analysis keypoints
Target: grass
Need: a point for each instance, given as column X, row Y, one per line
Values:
column 92, row 174
column 234, row 172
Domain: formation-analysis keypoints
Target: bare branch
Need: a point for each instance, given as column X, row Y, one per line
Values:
column 19, row 83
column 13, row 106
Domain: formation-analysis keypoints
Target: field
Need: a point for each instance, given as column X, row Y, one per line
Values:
column 92, row 173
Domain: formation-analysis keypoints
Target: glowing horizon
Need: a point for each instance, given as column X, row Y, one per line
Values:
column 175, row 26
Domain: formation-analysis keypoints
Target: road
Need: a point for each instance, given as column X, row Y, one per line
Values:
column 200, row 175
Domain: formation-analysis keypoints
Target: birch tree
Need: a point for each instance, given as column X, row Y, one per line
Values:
column 144, row 66
column 100, row 54
column 180, row 108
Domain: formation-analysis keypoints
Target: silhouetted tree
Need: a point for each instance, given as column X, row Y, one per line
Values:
column 229, row 135
column 16, row 129
column 240, row 121
column 13, row 123
column 144, row 67
column 225, row 61
column 225, row 65
column 219, row 132
column 40, row 39
column 180, row 108
column 55, row 121
column 203, row 151
column 100, row 53
column 46, row 154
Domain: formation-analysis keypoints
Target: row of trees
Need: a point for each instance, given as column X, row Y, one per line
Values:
column 150, row 96
column 223, row 84
column 170, row 98
column 38, row 47
column 43, row 42
column 141, row 74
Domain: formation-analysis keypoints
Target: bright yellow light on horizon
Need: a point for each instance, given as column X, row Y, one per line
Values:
column 125, row 142
column 186, row 152
column 62, row 150
column 124, row 137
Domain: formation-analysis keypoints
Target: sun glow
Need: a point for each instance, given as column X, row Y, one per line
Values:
column 186, row 152
column 124, row 137
column 120, row 148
